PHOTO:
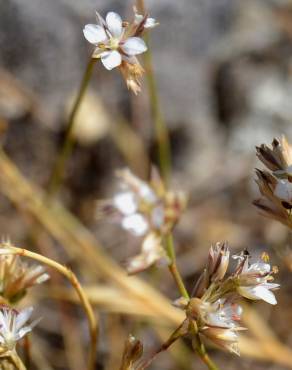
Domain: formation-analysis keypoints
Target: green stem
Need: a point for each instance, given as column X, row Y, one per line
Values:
column 200, row 348
column 59, row 167
column 173, row 267
column 161, row 131
column 164, row 149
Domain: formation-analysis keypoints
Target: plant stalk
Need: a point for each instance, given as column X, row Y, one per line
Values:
column 16, row 360
column 66, row 150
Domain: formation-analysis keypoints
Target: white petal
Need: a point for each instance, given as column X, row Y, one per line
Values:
column 136, row 224
column 283, row 190
column 158, row 216
column 260, row 267
column 147, row 193
column 150, row 23
column 94, row 33
column 258, row 292
column 125, row 203
column 266, row 295
column 114, row 24
column 23, row 316
column 138, row 18
column 42, row 278
column 152, row 243
column 111, row 59
column 134, row 46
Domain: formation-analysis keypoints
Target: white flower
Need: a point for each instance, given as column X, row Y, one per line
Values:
column 283, row 190
column 13, row 326
column 112, row 44
column 136, row 204
column 254, row 281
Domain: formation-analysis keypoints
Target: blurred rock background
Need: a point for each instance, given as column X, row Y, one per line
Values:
column 224, row 72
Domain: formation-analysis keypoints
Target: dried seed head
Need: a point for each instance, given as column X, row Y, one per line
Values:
column 133, row 351
column 278, row 158
column 132, row 74
column 17, row 276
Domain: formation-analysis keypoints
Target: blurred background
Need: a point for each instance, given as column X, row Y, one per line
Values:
column 224, row 75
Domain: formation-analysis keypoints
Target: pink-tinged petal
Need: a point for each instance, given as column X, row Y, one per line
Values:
column 136, row 224
column 111, row 59
column 114, row 24
column 134, row 46
column 94, row 33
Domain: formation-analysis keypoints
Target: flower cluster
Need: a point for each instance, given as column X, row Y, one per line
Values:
column 17, row 276
column 13, row 327
column 275, row 183
column 213, row 310
column 117, row 44
column 146, row 210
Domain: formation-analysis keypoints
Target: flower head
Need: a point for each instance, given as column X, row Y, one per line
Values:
column 145, row 210
column 217, row 321
column 133, row 351
column 16, row 276
column 213, row 310
column 13, row 327
column 117, row 44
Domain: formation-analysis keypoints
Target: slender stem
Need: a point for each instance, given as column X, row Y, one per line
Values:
column 200, row 348
column 59, row 167
column 161, row 130
column 173, row 267
column 16, row 360
column 93, row 327
column 174, row 336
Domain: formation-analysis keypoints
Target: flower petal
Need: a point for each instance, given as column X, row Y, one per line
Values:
column 125, row 203
column 134, row 46
column 23, row 316
column 283, row 190
column 94, row 33
column 258, row 292
column 114, row 24
column 111, row 59
column 136, row 224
